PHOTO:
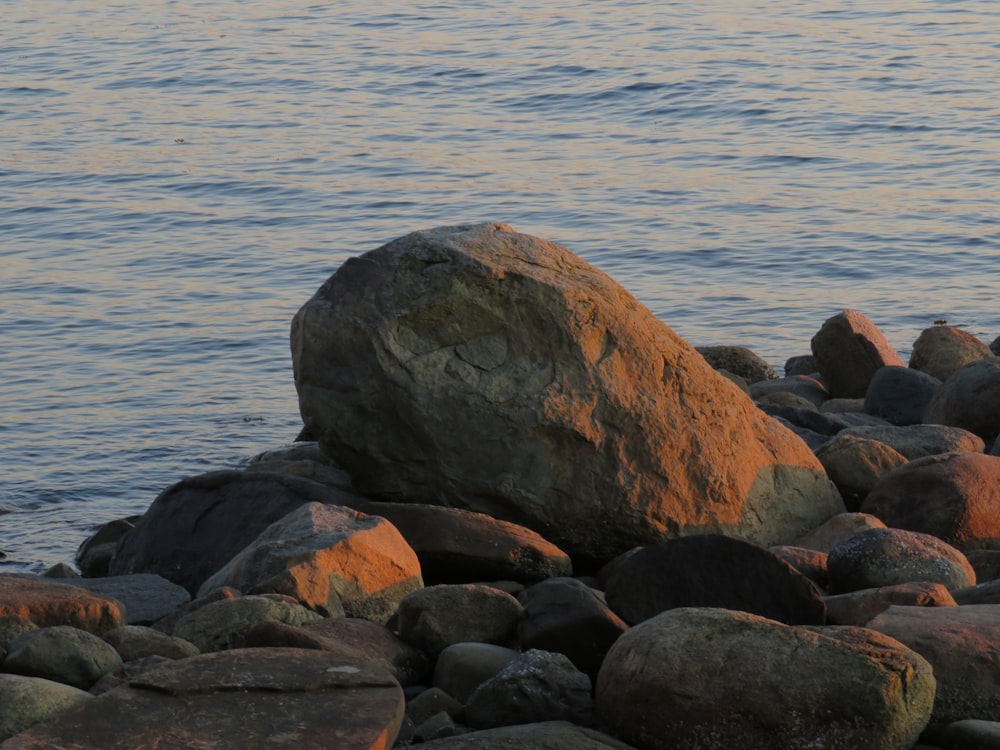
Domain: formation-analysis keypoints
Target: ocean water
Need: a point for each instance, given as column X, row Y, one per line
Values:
column 176, row 179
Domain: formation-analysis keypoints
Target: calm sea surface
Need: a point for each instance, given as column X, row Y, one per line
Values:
column 176, row 179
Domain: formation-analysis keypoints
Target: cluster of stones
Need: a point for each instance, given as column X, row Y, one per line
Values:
column 527, row 514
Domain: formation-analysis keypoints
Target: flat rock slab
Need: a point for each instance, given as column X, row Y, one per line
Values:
column 241, row 699
column 47, row 604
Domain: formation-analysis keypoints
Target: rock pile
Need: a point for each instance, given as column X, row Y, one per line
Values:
column 533, row 516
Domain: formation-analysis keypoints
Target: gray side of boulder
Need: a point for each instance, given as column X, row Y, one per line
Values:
column 63, row 654
column 26, row 701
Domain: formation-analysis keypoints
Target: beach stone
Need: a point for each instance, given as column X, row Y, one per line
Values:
column 225, row 624
column 739, row 361
column 711, row 570
column 26, row 701
column 846, row 406
column 971, row 734
column 534, row 686
column 435, row 617
column 953, row 496
column 855, row 465
column 810, row 419
column 134, row 642
column 167, row 624
column 432, row 701
column 900, row 395
column 62, row 654
column 463, row 667
column 46, row 603
column 829, row 534
column 376, row 643
column 11, row 626
column 849, row 348
column 802, row 364
column 941, row 351
column 982, row 593
column 94, row 554
column 809, row 562
column 567, row 616
column 147, row 597
column 963, row 645
column 806, row 389
column 550, row 735
column 60, row 570
column 920, row 440
column 248, row 699
column 196, row 526
column 986, row 563
column 885, row 557
column 480, row 368
column 331, row 559
column 858, row 607
column 970, row 399
column 308, row 461
column 679, row 681
column 459, row 546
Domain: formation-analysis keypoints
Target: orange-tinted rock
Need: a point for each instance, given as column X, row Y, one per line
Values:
column 942, row 351
column 248, row 699
column 47, row 604
column 481, row 368
column 849, row 348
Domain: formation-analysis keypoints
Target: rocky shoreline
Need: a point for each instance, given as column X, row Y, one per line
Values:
column 524, row 513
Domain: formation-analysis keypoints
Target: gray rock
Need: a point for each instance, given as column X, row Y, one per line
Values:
column 849, row 348
column 535, row 686
column 435, row 617
column 856, row 464
column 330, row 558
column 550, row 735
column 971, row 734
column 225, row 624
column 986, row 563
column 738, row 360
column 803, row 364
column 134, row 642
column 982, row 593
column 920, row 440
column 26, row 701
column 970, row 399
column 679, row 681
column 803, row 386
column 885, row 557
column 11, row 626
column 858, row 607
column 62, row 654
column 94, row 555
column 433, row 701
column 147, row 597
column 941, row 351
column 484, row 369
column 462, row 667
column 900, row 395
column 827, row 536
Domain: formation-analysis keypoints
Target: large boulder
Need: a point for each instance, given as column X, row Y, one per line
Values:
column 942, row 351
column 970, row 399
column 332, row 559
column 196, row 526
column 849, row 348
column 45, row 603
column 855, row 464
column 918, row 440
column 62, row 653
column 712, row 678
column 25, row 701
column 480, row 368
column 953, row 496
column 147, row 597
column 899, row 395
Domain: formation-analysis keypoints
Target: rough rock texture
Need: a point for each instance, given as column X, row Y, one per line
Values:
column 459, row 546
column 550, row 735
column 331, row 559
column 480, row 368
column 712, row 571
column 134, row 642
column 463, row 667
column 963, row 646
column 953, row 496
column 534, row 686
column 739, row 361
column 899, row 395
column 374, row 642
column 196, row 526
column 680, row 681
column 62, row 654
column 252, row 699
column 855, row 465
column 858, row 607
column 970, row 400
column 46, row 603
column 885, row 557
column 918, row 440
column 25, row 701
column 566, row 615
column 438, row 616
column 828, row 535
column 849, row 348
column 225, row 624
column 941, row 351
column 146, row 597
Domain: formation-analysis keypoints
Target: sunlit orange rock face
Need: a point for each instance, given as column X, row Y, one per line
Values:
column 47, row 604
column 481, row 368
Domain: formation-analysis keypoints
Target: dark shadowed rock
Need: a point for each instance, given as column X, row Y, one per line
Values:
column 970, row 399
column 679, row 681
column 712, row 571
column 480, row 368
column 941, row 351
column 252, row 699
column 147, row 597
column 225, row 624
column 374, row 642
column 567, row 616
column 46, row 603
column 855, row 464
column 953, row 496
column 463, row 667
column 809, row 562
column 900, row 395
column 26, row 701
column 94, row 554
column 981, row 593
column 459, row 546
column 134, row 642
column 885, row 557
column 918, row 440
column 802, row 364
column 804, row 387
column 738, row 360
column 550, row 735
column 197, row 525
column 971, row 734
column 438, row 616
column 858, row 607
column 849, row 348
